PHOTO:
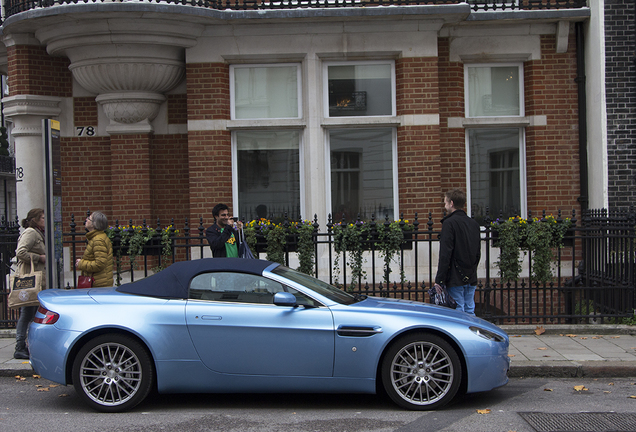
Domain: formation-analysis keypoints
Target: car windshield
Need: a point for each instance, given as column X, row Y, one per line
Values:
column 316, row 285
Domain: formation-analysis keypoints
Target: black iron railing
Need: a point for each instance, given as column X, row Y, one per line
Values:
column 594, row 278
column 13, row 7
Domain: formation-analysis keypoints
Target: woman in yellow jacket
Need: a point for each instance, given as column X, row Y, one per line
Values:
column 97, row 260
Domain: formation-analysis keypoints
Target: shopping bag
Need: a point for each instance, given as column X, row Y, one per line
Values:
column 244, row 249
column 25, row 288
column 85, row 281
column 439, row 295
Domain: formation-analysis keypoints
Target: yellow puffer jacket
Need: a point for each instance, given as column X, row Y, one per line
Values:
column 97, row 260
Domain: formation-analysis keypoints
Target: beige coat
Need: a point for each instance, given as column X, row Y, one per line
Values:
column 97, row 260
column 30, row 246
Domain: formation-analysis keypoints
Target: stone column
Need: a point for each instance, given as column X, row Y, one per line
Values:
column 27, row 112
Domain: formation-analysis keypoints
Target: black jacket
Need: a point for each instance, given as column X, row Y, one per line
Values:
column 459, row 250
column 217, row 239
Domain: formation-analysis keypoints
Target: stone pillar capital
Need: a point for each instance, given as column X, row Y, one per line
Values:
column 31, row 105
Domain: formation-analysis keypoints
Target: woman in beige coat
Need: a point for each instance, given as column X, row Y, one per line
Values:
column 97, row 260
column 30, row 248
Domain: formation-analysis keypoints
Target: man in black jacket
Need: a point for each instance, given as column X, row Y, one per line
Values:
column 223, row 236
column 459, row 252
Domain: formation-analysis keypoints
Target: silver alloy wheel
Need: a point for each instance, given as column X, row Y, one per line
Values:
column 422, row 373
column 110, row 374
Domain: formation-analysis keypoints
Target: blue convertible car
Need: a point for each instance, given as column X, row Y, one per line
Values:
column 232, row 325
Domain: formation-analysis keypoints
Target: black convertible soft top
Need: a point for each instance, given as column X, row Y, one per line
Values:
column 173, row 282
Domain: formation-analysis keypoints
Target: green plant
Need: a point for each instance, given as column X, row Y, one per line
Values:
column 537, row 236
column 390, row 239
column 133, row 239
column 306, row 249
column 350, row 238
column 509, row 240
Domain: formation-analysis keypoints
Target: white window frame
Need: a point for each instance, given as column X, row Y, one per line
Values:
column 523, row 197
column 299, row 88
column 519, row 65
column 394, row 169
column 325, row 85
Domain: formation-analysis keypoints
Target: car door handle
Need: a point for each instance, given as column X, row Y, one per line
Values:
column 210, row 317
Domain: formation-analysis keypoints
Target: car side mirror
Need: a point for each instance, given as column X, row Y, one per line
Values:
column 285, row 299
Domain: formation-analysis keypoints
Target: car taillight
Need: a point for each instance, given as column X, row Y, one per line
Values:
column 48, row 318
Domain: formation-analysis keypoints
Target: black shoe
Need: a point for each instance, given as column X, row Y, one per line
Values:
column 21, row 355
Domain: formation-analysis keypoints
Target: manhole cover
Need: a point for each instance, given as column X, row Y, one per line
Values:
column 581, row 422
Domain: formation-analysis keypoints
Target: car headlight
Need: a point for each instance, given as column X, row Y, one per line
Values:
column 486, row 334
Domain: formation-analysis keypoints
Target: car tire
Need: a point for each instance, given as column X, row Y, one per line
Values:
column 421, row 372
column 113, row 373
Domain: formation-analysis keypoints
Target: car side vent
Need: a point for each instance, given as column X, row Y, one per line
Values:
column 358, row 331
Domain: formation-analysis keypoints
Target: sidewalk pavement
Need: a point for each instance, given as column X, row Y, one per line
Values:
column 561, row 351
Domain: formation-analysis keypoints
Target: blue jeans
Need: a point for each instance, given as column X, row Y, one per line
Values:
column 27, row 313
column 464, row 295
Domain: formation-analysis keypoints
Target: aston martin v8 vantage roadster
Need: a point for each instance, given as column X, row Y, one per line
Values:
column 229, row 325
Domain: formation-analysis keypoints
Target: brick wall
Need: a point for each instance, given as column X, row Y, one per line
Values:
column 131, row 187
column 208, row 91
column 169, row 179
column 552, row 151
column 177, row 109
column 85, row 111
column 417, row 93
column 210, row 173
column 86, row 178
column 620, row 88
column 452, row 168
column 33, row 71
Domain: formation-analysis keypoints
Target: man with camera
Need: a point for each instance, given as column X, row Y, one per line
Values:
column 223, row 235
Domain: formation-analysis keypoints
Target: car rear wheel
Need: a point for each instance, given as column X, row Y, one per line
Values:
column 113, row 373
column 421, row 372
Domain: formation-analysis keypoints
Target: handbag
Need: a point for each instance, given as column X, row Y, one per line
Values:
column 439, row 295
column 244, row 249
column 85, row 281
column 25, row 288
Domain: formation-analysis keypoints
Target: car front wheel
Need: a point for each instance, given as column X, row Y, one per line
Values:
column 113, row 373
column 421, row 372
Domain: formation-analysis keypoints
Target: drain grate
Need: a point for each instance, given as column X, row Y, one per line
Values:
column 581, row 422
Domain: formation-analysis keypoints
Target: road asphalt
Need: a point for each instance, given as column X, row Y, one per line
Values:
column 555, row 351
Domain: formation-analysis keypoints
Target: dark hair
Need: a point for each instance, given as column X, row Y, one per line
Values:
column 458, row 197
column 100, row 221
column 217, row 209
column 32, row 216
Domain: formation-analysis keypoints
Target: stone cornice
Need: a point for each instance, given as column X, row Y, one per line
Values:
column 32, row 105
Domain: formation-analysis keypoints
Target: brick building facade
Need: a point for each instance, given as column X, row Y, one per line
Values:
column 270, row 111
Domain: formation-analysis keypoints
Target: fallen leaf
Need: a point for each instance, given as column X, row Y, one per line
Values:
column 54, row 385
column 596, row 337
column 37, row 376
column 632, row 397
column 580, row 388
column 43, row 389
column 483, row 411
column 25, row 362
column 584, row 338
column 542, row 348
column 633, row 348
column 607, row 392
column 547, row 389
column 39, row 385
column 511, row 355
column 611, row 384
column 539, row 330
column 516, row 336
column 570, row 335
column 615, row 337
column 546, row 356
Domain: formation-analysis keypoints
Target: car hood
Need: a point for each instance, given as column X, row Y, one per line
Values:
column 410, row 306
